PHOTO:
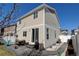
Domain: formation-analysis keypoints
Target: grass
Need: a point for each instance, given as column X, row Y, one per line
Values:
column 5, row 52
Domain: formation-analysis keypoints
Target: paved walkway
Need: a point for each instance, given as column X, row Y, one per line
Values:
column 21, row 50
column 25, row 51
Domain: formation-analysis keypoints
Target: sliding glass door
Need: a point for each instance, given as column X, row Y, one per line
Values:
column 35, row 35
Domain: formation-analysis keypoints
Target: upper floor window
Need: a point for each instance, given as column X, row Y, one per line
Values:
column 46, row 10
column 20, row 22
column 25, row 33
column 35, row 14
column 49, row 10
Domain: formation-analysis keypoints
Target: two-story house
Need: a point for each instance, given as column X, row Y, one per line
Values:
column 40, row 24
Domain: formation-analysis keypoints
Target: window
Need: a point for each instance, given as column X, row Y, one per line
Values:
column 55, row 34
column 20, row 22
column 35, row 34
column 47, row 33
column 24, row 33
column 49, row 10
column 7, row 34
column 46, row 10
column 11, row 34
column 16, row 35
column 52, row 11
column 35, row 15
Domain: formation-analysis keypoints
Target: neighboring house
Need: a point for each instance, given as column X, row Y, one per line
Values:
column 9, row 34
column 64, row 36
column 40, row 24
column 64, row 32
column 75, row 41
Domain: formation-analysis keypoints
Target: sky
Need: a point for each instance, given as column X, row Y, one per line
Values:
column 68, row 13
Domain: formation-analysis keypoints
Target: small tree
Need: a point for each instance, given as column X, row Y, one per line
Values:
column 10, row 16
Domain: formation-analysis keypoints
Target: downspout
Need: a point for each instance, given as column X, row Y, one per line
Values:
column 76, row 44
column 44, row 26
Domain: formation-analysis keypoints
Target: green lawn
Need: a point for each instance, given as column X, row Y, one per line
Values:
column 5, row 52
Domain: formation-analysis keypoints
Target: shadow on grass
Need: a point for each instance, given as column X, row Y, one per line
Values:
column 5, row 52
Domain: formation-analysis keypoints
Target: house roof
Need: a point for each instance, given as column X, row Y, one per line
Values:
column 35, row 9
column 10, row 25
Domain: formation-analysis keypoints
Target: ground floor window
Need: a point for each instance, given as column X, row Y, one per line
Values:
column 11, row 34
column 55, row 34
column 47, row 33
column 24, row 33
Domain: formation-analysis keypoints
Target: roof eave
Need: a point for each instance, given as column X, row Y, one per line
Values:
column 37, row 8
